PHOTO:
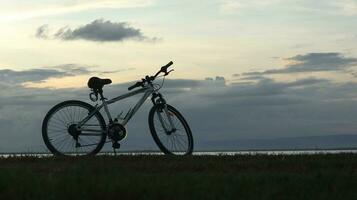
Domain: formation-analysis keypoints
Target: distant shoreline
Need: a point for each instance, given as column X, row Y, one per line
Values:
column 203, row 153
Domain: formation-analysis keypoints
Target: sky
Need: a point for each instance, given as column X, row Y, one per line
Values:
column 257, row 69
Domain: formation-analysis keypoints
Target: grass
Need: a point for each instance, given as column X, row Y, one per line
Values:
column 195, row 177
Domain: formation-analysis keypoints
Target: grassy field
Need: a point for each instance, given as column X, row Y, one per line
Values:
column 195, row 177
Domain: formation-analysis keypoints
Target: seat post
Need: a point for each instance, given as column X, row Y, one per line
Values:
column 100, row 91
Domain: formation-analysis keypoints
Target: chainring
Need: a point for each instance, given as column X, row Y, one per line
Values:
column 116, row 131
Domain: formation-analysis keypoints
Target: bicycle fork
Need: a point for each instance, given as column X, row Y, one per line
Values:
column 168, row 127
column 157, row 99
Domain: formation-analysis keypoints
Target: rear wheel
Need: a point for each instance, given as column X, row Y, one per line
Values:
column 61, row 135
column 176, row 140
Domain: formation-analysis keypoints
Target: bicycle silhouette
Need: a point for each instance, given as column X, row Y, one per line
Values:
column 78, row 128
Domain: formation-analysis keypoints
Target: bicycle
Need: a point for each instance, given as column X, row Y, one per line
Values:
column 77, row 128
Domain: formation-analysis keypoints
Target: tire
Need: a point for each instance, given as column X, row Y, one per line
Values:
column 56, row 128
column 168, row 145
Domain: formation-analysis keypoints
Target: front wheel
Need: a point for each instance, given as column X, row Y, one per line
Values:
column 170, row 130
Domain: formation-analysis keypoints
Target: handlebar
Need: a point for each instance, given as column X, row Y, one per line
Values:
column 137, row 84
column 151, row 78
column 164, row 68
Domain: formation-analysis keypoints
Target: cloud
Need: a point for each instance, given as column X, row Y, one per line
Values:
column 341, row 7
column 115, row 71
column 41, row 74
column 320, row 62
column 218, row 81
column 312, row 62
column 264, row 109
column 182, row 83
column 354, row 74
column 11, row 11
column 265, row 87
column 37, row 75
column 215, row 110
column 230, row 7
column 233, row 6
column 99, row 30
column 42, row 32
column 33, row 75
column 73, row 69
column 252, row 77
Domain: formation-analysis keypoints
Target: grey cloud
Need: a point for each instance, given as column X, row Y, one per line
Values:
column 353, row 72
column 218, row 81
column 268, row 87
column 220, row 78
column 33, row 75
column 42, row 32
column 9, row 76
column 321, row 62
column 99, row 30
column 302, row 45
column 179, row 85
column 263, row 109
column 115, row 71
column 73, row 69
column 253, row 78
column 306, row 81
column 182, row 83
column 312, row 62
column 273, row 109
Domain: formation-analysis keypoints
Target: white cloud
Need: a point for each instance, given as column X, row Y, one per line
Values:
column 341, row 7
column 20, row 9
column 233, row 6
column 346, row 7
column 230, row 6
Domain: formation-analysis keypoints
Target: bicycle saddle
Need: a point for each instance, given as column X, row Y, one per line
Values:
column 98, row 83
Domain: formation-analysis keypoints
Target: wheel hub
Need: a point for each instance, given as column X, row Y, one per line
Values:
column 73, row 131
column 170, row 132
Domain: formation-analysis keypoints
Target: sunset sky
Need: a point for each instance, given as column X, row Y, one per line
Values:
column 204, row 38
column 251, row 69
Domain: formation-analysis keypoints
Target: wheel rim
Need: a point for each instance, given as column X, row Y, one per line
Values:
column 62, row 136
column 176, row 142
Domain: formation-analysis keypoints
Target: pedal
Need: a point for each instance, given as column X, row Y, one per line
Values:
column 116, row 145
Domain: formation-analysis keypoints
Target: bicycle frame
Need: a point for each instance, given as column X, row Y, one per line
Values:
column 147, row 90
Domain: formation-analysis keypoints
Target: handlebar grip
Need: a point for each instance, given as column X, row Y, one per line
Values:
column 169, row 64
column 137, row 84
column 164, row 68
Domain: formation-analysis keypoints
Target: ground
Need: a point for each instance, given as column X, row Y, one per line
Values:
column 192, row 177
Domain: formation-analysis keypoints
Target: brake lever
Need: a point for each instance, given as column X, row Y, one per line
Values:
column 167, row 73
